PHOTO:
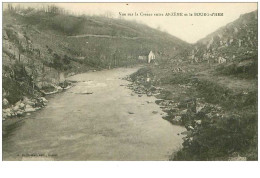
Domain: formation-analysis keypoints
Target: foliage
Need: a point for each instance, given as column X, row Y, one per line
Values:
column 17, row 85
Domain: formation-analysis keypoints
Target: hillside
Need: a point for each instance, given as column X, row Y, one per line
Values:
column 211, row 89
column 234, row 45
column 41, row 46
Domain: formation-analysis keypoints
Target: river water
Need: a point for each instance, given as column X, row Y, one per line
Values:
column 98, row 119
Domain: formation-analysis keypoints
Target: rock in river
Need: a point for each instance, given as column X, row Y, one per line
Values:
column 29, row 108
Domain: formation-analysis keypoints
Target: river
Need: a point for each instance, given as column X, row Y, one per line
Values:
column 97, row 119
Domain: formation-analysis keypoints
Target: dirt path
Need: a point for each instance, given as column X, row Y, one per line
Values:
column 104, row 36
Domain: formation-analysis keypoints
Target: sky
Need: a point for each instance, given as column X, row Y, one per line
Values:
column 187, row 28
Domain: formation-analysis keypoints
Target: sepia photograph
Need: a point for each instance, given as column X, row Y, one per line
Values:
column 128, row 81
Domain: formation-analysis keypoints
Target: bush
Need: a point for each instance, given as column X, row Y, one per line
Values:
column 18, row 84
column 13, row 90
column 217, row 139
column 246, row 68
column 219, row 136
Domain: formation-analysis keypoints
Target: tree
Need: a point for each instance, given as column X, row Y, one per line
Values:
column 109, row 14
column 10, row 7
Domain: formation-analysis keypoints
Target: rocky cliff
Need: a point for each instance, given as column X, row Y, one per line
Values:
column 234, row 44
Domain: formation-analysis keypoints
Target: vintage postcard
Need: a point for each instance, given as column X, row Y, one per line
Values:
column 129, row 81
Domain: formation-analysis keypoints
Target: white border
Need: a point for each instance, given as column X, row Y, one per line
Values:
column 129, row 169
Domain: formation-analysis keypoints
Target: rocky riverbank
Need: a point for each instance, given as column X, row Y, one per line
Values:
column 31, row 104
column 206, row 109
column 176, row 109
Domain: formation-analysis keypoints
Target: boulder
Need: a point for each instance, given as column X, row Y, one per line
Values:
column 7, row 110
column 19, row 113
column 21, row 105
column 39, row 103
column 184, row 111
column 149, row 94
column 29, row 108
column 190, row 127
column 59, row 88
column 44, row 99
column 29, row 102
column 13, row 114
column 18, row 103
column 16, row 108
column 198, row 122
column 177, row 119
column 25, row 99
column 5, row 102
column 198, row 109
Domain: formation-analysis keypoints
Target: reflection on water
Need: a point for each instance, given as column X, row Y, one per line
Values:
column 11, row 127
column 108, row 124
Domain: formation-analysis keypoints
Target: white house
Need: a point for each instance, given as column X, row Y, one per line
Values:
column 151, row 57
column 222, row 60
